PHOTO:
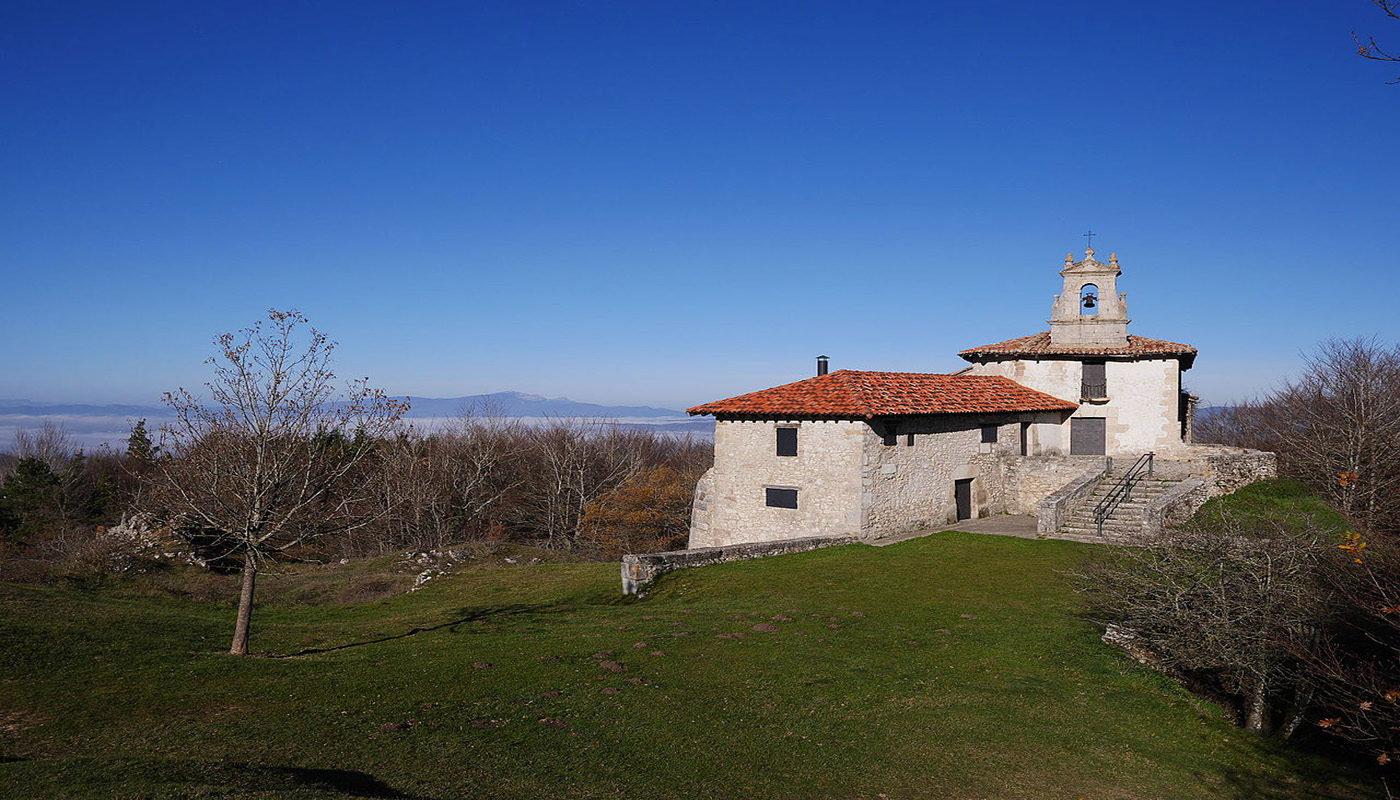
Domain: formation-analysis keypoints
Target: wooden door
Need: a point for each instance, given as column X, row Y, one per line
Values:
column 962, row 494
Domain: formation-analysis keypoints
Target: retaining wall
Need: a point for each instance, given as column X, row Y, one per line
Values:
column 1055, row 510
column 640, row 569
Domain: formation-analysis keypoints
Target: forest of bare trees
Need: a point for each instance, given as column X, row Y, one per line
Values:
column 283, row 461
column 586, row 486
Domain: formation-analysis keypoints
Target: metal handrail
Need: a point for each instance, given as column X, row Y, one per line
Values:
column 1123, row 491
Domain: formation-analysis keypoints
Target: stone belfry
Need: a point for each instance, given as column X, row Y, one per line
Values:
column 1090, row 311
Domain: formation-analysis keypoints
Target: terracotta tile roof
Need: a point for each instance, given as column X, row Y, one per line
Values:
column 848, row 394
column 1038, row 344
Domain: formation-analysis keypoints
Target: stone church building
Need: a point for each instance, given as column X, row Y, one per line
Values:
column 1044, row 425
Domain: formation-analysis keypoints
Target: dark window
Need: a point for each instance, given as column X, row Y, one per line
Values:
column 1025, row 438
column 1095, row 382
column 891, row 434
column 989, row 434
column 781, row 498
column 787, row 441
column 908, row 440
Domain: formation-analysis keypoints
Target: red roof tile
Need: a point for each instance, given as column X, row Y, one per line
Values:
column 1038, row 344
column 848, row 394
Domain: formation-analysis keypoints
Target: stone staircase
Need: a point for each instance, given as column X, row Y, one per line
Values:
column 1126, row 524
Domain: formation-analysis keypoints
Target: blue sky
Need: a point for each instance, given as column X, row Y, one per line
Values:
column 666, row 203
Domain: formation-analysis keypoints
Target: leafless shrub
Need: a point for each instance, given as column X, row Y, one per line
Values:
column 1230, row 607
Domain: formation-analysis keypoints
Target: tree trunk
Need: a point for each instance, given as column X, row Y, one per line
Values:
column 245, row 606
column 1257, row 708
column 1296, row 714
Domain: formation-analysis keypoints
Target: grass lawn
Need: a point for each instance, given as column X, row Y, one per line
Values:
column 952, row 666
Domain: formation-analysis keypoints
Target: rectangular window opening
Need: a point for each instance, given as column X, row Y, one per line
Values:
column 780, row 498
column 989, row 434
column 1095, row 383
column 891, row 437
column 787, row 441
column 909, row 440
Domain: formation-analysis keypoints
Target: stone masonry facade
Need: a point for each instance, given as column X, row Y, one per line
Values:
column 1030, row 427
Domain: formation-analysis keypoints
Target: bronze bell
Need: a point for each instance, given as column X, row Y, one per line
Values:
column 1089, row 301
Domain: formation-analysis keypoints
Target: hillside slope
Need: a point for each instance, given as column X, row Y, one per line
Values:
column 952, row 666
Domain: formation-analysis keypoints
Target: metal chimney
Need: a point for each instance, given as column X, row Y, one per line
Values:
column 821, row 365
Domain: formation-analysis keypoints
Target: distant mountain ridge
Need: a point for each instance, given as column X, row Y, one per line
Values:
column 500, row 404
column 28, row 408
column 519, row 404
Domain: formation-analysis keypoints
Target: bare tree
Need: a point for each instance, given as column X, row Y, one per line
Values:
column 569, row 464
column 446, row 486
column 277, row 458
column 1368, row 48
column 1335, row 428
column 50, row 444
column 1358, row 668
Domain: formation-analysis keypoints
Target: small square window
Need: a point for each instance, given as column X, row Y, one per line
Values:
column 891, row 437
column 787, row 441
column 989, row 434
column 781, row 498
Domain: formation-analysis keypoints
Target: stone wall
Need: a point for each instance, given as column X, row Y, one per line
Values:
column 1144, row 395
column 1174, row 506
column 908, row 486
column 826, row 472
column 639, row 570
column 1225, row 469
column 702, row 507
column 1028, row 481
column 1054, row 511
column 850, row 483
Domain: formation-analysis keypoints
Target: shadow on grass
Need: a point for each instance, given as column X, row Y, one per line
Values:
column 343, row 781
column 1325, row 782
column 173, row 778
column 466, row 615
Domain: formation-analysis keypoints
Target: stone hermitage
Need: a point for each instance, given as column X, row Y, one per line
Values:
column 1033, row 426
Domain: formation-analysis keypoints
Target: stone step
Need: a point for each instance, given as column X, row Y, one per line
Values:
column 1108, row 523
column 1136, row 502
column 1120, row 513
column 1141, row 499
column 1091, row 527
column 1108, row 530
column 1136, row 499
column 1136, row 492
column 1091, row 538
column 1088, row 524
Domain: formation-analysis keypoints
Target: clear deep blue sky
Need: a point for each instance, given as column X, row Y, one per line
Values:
column 671, row 202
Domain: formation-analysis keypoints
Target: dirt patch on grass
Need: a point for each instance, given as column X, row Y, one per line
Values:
column 13, row 721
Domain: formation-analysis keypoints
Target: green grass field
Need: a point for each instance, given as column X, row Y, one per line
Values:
column 953, row 666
